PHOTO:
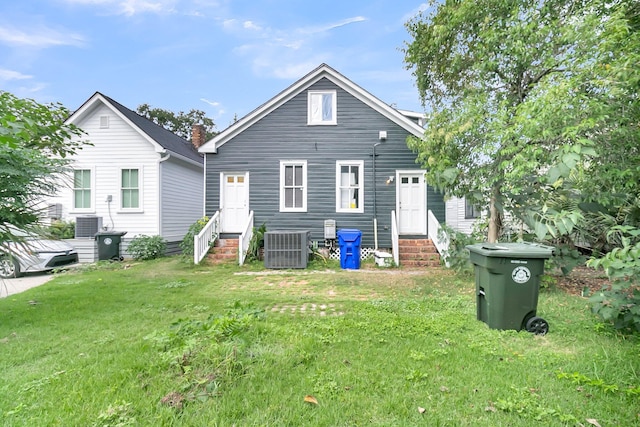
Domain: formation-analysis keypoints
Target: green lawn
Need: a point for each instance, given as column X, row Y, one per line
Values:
column 164, row 343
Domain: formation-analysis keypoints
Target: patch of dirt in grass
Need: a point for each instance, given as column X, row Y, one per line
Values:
column 581, row 281
column 311, row 309
column 173, row 400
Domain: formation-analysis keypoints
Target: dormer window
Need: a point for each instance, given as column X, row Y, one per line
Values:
column 321, row 107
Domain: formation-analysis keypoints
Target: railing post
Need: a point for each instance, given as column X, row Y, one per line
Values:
column 395, row 248
column 203, row 241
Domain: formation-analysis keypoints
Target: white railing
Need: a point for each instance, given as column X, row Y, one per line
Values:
column 244, row 239
column 438, row 236
column 206, row 238
column 395, row 248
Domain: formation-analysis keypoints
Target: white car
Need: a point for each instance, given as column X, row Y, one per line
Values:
column 34, row 254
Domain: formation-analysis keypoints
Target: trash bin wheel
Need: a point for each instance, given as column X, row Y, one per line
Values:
column 537, row 325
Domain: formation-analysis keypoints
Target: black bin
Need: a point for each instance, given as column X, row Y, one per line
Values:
column 109, row 245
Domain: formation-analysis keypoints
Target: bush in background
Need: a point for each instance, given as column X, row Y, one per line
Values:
column 60, row 229
column 144, row 248
column 187, row 242
column 457, row 255
column 620, row 303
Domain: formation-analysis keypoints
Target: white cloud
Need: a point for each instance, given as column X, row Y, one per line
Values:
column 284, row 53
column 250, row 25
column 332, row 26
column 132, row 7
column 229, row 24
column 39, row 37
column 295, row 70
column 423, row 7
column 7, row 75
column 212, row 103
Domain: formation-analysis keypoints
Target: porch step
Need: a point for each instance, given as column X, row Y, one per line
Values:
column 224, row 250
column 418, row 253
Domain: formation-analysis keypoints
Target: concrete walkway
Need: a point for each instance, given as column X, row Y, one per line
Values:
column 21, row 284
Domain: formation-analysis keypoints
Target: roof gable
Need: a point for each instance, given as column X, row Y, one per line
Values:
column 323, row 71
column 161, row 139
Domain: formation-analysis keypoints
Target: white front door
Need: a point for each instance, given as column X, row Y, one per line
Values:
column 234, row 201
column 411, row 202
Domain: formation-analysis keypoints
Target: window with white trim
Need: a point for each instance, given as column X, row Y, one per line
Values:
column 293, row 186
column 82, row 190
column 130, row 189
column 321, row 107
column 471, row 211
column 350, row 186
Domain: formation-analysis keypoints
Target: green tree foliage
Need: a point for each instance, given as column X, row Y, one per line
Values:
column 620, row 303
column 34, row 148
column 521, row 95
column 182, row 123
column 187, row 244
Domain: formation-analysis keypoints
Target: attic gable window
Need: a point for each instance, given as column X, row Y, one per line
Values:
column 321, row 107
column 104, row 122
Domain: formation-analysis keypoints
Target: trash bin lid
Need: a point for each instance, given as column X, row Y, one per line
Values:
column 512, row 250
column 349, row 235
column 349, row 231
column 110, row 233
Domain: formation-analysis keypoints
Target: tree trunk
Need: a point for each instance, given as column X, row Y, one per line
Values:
column 495, row 218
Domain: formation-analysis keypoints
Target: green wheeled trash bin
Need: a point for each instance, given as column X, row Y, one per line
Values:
column 508, row 283
column 109, row 245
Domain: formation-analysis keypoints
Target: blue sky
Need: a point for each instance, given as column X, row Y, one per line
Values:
column 225, row 57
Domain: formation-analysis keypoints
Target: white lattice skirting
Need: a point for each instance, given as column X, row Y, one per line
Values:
column 364, row 253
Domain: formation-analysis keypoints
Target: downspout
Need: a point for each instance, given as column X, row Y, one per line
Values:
column 164, row 158
column 382, row 138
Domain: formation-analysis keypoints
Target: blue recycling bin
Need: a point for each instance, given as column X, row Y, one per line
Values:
column 349, row 241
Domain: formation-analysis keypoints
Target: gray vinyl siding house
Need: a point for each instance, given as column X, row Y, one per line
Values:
column 294, row 173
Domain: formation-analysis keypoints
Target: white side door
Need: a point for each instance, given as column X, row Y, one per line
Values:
column 411, row 202
column 234, row 201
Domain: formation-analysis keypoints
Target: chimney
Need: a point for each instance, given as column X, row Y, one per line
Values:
column 198, row 135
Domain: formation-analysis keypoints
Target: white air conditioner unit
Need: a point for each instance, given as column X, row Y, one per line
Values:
column 286, row 249
column 88, row 226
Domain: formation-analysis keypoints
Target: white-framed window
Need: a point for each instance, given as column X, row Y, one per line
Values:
column 293, row 186
column 83, row 190
column 471, row 211
column 130, row 189
column 350, row 186
column 322, row 107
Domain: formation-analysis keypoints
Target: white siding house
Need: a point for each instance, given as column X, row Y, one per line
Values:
column 459, row 215
column 134, row 176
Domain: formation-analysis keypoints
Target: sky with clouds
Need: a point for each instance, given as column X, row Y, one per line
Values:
column 225, row 57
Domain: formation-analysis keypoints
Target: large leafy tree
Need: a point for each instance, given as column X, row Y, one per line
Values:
column 514, row 107
column 35, row 144
column 181, row 123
